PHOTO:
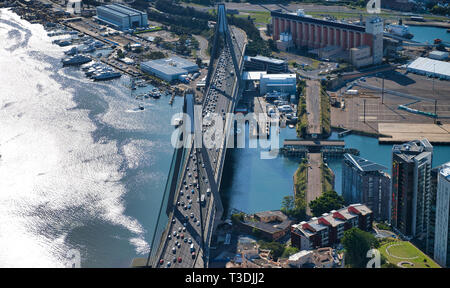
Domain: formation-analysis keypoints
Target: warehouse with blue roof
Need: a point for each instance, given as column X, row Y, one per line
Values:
column 121, row 17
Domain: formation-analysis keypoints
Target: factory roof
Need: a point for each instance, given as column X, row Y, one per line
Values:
column 121, row 10
column 430, row 66
column 172, row 65
column 318, row 21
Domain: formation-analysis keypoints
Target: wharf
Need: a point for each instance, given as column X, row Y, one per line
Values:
column 405, row 132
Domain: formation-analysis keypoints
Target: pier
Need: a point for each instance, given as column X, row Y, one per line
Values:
column 329, row 148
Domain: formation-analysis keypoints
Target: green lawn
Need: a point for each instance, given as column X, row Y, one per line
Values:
column 403, row 251
column 257, row 16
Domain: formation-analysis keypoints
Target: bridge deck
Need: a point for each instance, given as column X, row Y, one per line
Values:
column 192, row 221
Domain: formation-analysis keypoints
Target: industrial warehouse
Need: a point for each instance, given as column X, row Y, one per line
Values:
column 169, row 69
column 121, row 17
column 285, row 83
column 295, row 30
column 430, row 67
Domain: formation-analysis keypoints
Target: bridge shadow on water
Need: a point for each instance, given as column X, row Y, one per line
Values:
column 227, row 180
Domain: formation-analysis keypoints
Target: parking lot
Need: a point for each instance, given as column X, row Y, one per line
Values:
column 364, row 111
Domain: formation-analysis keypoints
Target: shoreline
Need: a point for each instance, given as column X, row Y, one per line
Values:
column 442, row 25
column 358, row 132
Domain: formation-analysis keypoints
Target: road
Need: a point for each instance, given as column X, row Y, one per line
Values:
column 191, row 222
column 187, row 221
column 203, row 46
column 185, row 228
column 313, row 106
column 314, row 187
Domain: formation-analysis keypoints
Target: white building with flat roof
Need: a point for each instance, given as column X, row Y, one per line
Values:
column 438, row 55
column 121, row 17
column 430, row 67
column 169, row 69
column 286, row 83
column 441, row 242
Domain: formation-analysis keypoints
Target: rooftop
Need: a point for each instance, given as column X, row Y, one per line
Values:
column 267, row 59
column 445, row 171
column 252, row 75
column 431, row 66
column 412, row 149
column 278, row 76
column 299, row 255
column 318, row 21
column 439, row 53
column 362, row 164
column 334, row 218
column 171, row 65
column 120, row 9
column 277, row 221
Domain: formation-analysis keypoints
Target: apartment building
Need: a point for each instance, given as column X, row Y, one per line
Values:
column 328, row 230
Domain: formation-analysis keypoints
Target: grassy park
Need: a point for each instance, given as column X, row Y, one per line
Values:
column 403, row 251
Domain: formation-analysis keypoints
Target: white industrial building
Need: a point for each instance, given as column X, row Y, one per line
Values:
column 121, row 17
column 438, row 55
column 285, row 83
column 430, row 67
column 441, row 241
column 169, row 69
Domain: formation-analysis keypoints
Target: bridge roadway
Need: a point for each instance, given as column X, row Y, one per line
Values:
column 192, row 222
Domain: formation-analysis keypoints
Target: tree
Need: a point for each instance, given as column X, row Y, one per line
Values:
column 276, row 248
column 120, row 54
column 199, row 62
column 287, row 204
column 326, row 202
column 288, row 251
column 158, row 40
column 238, row 217
column 272, row 45
column 294, row 207
column 356, row 243
column 155, row 55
